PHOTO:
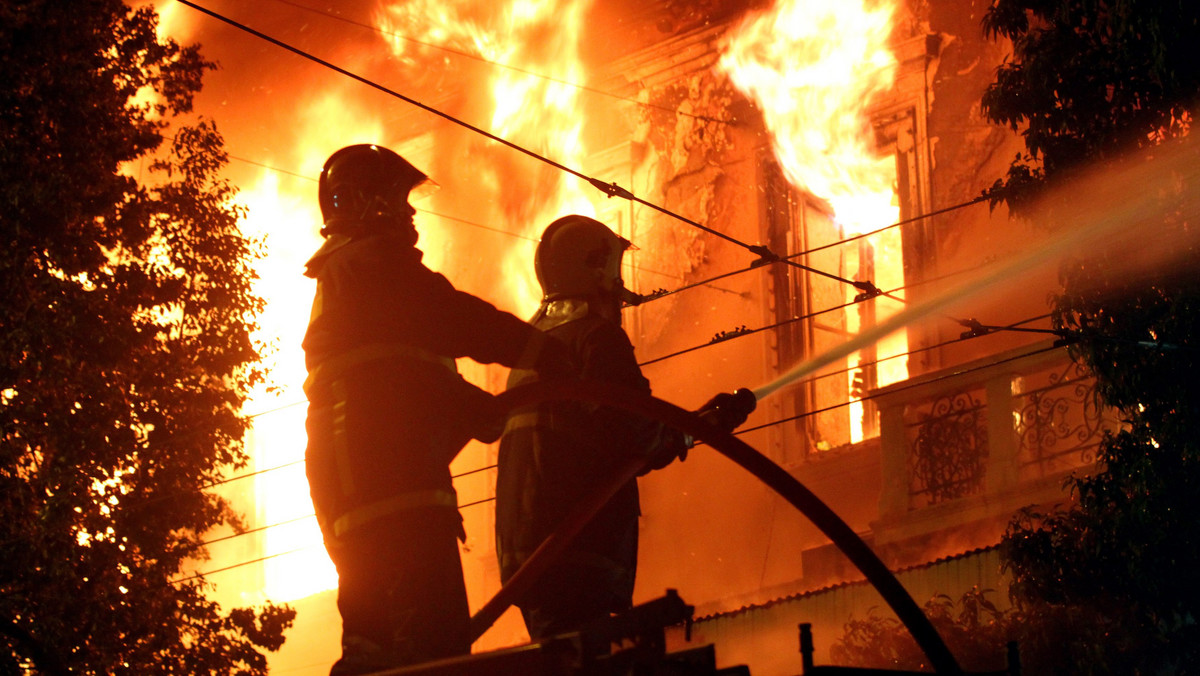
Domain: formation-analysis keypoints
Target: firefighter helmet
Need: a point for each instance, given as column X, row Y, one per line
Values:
column 365, row 185
column 579, row 256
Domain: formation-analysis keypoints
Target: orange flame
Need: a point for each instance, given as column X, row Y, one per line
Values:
column 813, row 67
column 532, row 50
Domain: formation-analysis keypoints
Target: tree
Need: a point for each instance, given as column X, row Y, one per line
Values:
column 1092, row 81
column 125, row 351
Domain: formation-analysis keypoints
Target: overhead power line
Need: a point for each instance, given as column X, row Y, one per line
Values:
column 662, row 294
column 982, row 330
column 827, row 374
column 774, row 423
column 743, row 331
column 902, row 388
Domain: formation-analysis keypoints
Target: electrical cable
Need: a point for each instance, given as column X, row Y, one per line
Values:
column 706, row 282
column 754, row 266
column 260, row 559
column 806, row 414
column 964, row 336
column 311, row 515
column 900, row 388
column 728, row 336
column 765, row 255
column 516, row 69
column 743, row 331
column 463, row 221
column 739, row 432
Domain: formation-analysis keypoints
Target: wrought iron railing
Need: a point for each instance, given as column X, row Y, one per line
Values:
column 989, row 428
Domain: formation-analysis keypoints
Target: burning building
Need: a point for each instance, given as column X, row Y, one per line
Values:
column 827, row 161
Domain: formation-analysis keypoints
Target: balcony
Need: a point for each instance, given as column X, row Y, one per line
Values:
column 965, row 447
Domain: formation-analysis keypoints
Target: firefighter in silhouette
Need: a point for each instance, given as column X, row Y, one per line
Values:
column 551, row 454
column 388, row 411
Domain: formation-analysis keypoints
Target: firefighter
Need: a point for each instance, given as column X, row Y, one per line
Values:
column 388, row 411
column 552, row 453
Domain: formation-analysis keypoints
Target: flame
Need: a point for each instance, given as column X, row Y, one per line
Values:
column 284, row 213
column 528, row 102
column 814, row 67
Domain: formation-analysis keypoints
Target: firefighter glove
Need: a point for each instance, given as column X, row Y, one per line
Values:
column 728, row 410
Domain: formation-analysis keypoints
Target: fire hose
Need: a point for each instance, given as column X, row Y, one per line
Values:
column 774, row 476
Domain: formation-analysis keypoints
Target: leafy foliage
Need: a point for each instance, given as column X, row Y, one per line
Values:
column 1050, row 639
column 1091, row 80
column 125, row 351
column 975, row 632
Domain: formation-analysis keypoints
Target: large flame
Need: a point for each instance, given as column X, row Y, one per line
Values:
column 532, row 51
column 814, row 68
column 282, row 211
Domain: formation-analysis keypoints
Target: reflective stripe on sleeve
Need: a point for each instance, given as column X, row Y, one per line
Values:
column 341, row 441
column 521, row 421
column 397, row 503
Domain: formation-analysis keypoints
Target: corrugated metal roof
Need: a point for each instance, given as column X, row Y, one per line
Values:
column 903, row 572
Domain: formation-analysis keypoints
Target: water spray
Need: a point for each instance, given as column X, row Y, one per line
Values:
column 1100, row 208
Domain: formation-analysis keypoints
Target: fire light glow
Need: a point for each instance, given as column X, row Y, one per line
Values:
column 791, row 60
column 539, row 111
column 287, row 217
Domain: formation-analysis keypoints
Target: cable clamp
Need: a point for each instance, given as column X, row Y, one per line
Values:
column 610, row 189
column 726, row 335
column 974, row 329
column 636, row 299
column 868, row 291
column 764, row 254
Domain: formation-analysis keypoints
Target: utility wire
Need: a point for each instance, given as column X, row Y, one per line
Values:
column 827, row 374
column 902, row 388
column 765, row 255
column 984, row 330
column 516, row 69
column 976, row 330
column 662, row 294
column 743, row 331
column 260, row 559
column 705, row 282
column 808, row 414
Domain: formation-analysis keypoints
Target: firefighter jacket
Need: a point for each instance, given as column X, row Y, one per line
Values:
column 556, row 452
column 388, row 410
